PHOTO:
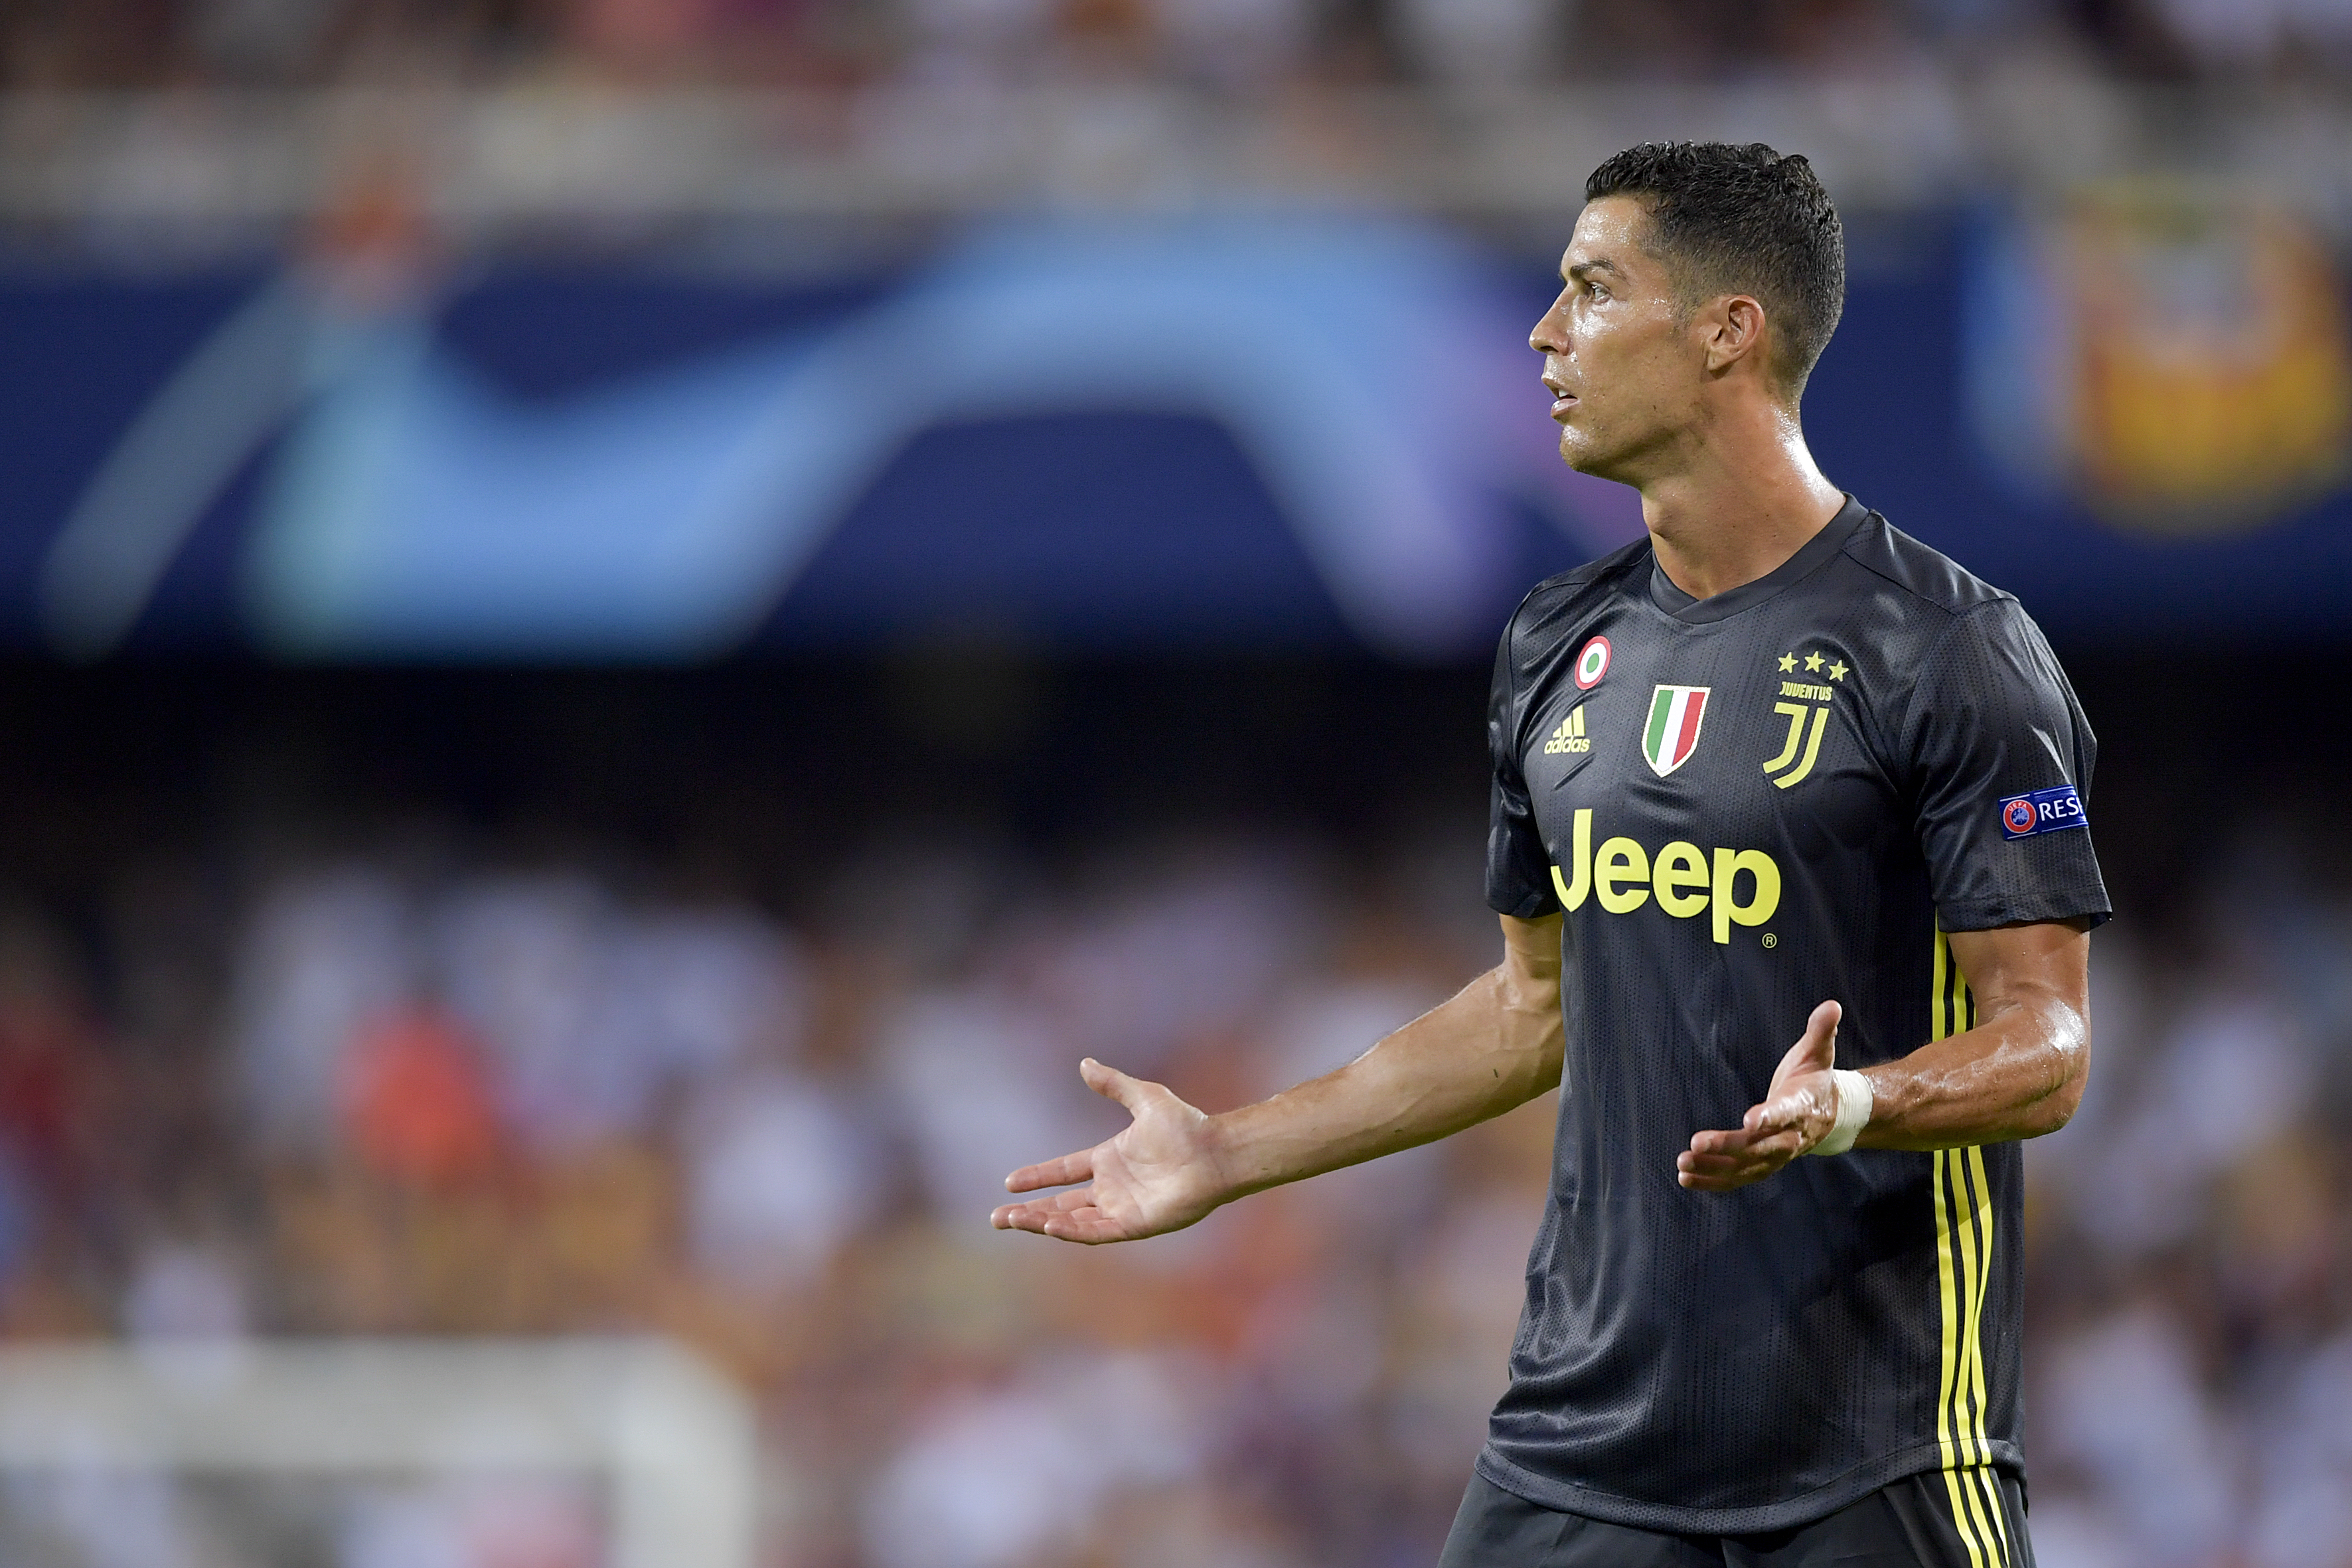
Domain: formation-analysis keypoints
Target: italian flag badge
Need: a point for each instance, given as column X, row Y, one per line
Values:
column 1672, row 734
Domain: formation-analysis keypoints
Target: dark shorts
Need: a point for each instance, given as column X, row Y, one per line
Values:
column 1909, row 1524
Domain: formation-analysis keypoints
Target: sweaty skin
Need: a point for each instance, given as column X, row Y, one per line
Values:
column 2017, row 1074
column 1499, row 1044
column 1684, row 400
column 1495, row 1045
column 1688, row 401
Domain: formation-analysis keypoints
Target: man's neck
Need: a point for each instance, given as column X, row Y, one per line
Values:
column 1748, row 500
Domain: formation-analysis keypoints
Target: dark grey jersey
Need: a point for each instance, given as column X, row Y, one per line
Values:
column 1746, row 806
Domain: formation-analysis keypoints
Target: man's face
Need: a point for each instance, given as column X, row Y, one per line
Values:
column 1624, row 368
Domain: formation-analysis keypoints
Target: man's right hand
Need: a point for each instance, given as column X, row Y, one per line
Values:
column 1498, row 1044
column 1159, row 1174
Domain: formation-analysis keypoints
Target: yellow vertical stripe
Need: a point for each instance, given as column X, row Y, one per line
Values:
column 1970, row 1396
column 1985, row 1478
column 1970, row 1391
column 1947, row 1362
column 1964, row 1238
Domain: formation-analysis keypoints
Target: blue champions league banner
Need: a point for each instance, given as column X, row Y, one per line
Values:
column 1206, row 434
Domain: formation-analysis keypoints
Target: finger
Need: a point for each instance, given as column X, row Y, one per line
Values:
column 1732, row 1139
column 1821, row 1032
column 1816, row 1049
column 1061, row 1173
column 1722, row 1175
column 1088, row 1227
column 1086, row 1224
column 1761, row 1161
column 1036, row 1214
column 1765, row 1156
column 1019, row 1217
column 1115, row 1085
column 1007, row 1216
column 1721, row 1164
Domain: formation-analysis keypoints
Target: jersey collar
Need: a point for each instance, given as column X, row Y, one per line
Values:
column 1810, row 554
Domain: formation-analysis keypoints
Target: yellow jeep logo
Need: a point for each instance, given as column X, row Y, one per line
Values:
column 1624, row 876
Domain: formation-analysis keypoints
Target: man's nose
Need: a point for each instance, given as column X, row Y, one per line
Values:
column 1548, row 337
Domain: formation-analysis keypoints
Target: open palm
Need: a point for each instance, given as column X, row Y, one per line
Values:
column 1159, row 1174
column 1795, row 1113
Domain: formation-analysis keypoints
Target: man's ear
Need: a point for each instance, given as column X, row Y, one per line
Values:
column 1736, row 331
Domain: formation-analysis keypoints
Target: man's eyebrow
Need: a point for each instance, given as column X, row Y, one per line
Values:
column 1598, row 264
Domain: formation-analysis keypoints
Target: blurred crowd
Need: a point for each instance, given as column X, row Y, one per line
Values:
column 1219, row 44
column 422, row 1085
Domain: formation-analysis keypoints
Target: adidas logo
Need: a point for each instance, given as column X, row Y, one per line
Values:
column 1569, row 736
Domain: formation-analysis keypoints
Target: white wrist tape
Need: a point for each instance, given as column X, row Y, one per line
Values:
column 1853, row 1101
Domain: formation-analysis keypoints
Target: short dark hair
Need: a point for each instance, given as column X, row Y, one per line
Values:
column 1742, row 220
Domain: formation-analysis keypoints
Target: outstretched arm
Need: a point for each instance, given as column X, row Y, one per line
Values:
column 1494, row 1047
column 2017, row 1074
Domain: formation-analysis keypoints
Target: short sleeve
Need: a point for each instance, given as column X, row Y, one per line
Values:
column 1998, row 756
column 1518, row 870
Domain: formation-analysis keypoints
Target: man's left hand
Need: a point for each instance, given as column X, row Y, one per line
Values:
column 1798, row 1112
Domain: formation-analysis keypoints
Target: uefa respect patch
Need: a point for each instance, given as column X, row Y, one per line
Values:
column 2043, row 811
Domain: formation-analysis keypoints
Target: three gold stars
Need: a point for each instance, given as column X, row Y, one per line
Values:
column 1814, row 662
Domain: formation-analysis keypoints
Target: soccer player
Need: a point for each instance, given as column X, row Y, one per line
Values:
column 1776, row 770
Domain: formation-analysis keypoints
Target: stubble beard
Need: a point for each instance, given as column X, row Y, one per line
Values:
column 1581, row 452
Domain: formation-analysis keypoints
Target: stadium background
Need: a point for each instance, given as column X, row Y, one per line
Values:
column 631, row 622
